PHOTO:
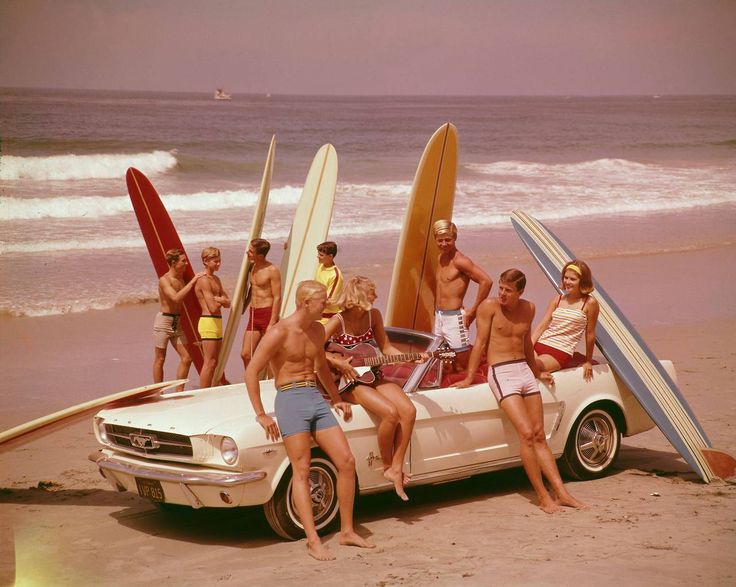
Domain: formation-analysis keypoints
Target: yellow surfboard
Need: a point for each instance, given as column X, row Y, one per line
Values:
column 239, row 299
column 42, row 426
column 310, row 227
column 411, row 296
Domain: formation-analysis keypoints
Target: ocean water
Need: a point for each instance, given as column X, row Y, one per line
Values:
column 69, row 241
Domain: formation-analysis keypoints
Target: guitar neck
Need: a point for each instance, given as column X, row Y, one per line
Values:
column 386, row 359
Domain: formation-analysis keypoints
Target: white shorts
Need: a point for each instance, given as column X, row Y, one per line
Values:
column 449, row 323
column 512, row 378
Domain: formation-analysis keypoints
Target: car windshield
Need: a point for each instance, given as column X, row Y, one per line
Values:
column 412, row 376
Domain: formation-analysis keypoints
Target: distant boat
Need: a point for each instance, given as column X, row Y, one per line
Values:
column 221, row 95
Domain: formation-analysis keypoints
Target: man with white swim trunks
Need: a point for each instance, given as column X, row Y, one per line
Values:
column 167, row 325
column 455, row 271
column 294, row 347
column 504, row 327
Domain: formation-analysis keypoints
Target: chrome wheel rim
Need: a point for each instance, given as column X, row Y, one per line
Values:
column 596, row 440
column 322, row 492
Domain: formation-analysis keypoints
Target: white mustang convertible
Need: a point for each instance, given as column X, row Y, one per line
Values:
column 204, row 448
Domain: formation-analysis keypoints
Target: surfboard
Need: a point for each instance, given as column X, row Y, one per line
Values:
column 310, row 226
column 160, row 235
column 411, row 295
column 40, row 427
column 238, row 300
column 632, row 360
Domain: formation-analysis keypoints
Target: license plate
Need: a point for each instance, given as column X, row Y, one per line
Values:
column 150, row 489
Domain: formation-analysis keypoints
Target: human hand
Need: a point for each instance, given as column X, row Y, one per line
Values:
column 462, row 383
column 345, row 409
column 468, row 318
column 588, row 371
column 546, row 377
column 269, row 425
column 348, row 371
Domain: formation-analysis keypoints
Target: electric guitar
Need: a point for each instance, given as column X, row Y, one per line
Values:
column 366, row 357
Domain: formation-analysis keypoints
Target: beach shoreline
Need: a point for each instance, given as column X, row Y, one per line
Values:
column 65, row 525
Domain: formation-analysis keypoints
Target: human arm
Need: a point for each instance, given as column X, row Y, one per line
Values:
column 545, row 322
column 337, row 361
column 267, row 348
column 483, row 326
column 379, row 331
column 529, row 353
column 223, row 299
column 591, row 309
column 275, row 282
column 177, row 297
column 484, row 281
column 323, row 373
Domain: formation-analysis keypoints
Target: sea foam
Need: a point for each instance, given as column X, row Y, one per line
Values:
column 76, row 167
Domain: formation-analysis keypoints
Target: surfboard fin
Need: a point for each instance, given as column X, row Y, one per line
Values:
column 721, row 463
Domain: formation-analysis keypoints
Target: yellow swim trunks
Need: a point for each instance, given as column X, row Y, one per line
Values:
column 210, row 327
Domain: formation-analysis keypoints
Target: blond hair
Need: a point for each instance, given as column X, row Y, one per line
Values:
column 306, row 290
column 210, row 253
column 355, row 293
column 442, row 226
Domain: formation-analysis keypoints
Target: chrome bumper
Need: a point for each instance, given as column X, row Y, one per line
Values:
column 224, row 479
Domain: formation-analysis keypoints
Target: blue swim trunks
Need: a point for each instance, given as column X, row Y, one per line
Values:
column 302, row 409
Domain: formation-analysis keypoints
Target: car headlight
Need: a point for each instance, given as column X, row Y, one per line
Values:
column 101, row 431
column 229, row 450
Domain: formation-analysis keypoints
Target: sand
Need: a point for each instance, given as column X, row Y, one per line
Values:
column 650, row 522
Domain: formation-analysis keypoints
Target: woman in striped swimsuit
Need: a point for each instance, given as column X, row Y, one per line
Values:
column 568, row 318
column 359, row 322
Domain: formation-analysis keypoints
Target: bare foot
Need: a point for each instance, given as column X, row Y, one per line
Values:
column 397, row 478
column 353, row 539
column 569, row 501
column 319, row 551
column 407, row 479
column 550, row 507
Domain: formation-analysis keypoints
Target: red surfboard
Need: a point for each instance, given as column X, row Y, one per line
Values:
column 160, row 236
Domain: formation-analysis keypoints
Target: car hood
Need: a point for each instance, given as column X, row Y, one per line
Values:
column 208, row 411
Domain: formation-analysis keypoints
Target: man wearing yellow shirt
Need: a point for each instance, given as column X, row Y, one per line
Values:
column 329, row 275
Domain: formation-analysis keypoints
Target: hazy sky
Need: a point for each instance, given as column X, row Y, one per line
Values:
column 506, row 47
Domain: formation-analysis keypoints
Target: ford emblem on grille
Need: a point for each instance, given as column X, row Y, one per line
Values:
column 143, row 441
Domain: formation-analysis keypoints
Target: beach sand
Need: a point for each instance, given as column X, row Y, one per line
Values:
column 650, row 522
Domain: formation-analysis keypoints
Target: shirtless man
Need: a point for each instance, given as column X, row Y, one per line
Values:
column 295, row 346
column 504, row 324
column 264, row 297
column 455, row 271
column 167, row 325
column 212, row 298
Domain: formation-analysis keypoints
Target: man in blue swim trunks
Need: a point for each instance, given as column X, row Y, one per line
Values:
column 294, row 347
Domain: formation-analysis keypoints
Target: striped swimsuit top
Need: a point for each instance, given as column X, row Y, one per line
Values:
column 566, row 328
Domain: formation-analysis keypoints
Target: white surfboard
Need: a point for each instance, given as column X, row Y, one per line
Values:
column 310, row 227
column 238, row 299
column 45, row 425
column 632, row 360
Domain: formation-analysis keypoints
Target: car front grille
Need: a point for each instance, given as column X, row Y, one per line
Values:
column 149, row 442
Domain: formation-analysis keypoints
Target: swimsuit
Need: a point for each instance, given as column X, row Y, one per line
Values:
column 349, row 340
column 167, row 327
column 563, row 333
column 259, row 319
column 331, row 278
column 300, row 407
column 512, row 378
column 450, row 325
column 210, row 327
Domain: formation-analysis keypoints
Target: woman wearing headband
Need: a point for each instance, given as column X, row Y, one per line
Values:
column 568, row 318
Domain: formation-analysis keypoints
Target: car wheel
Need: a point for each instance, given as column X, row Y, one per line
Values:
column 592, row 446
column 281, row 512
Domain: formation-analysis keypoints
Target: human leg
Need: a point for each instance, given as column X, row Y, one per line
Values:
column 515, row 409
column 407, row 417
column 385, row 411
column 185, row 363
column 298, row 450
column 159, row 357
column 333, row 441
column 251, row 338
column 545, row 458
column 210, row 349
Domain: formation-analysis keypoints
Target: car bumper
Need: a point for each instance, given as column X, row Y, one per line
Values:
column 193, row 487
